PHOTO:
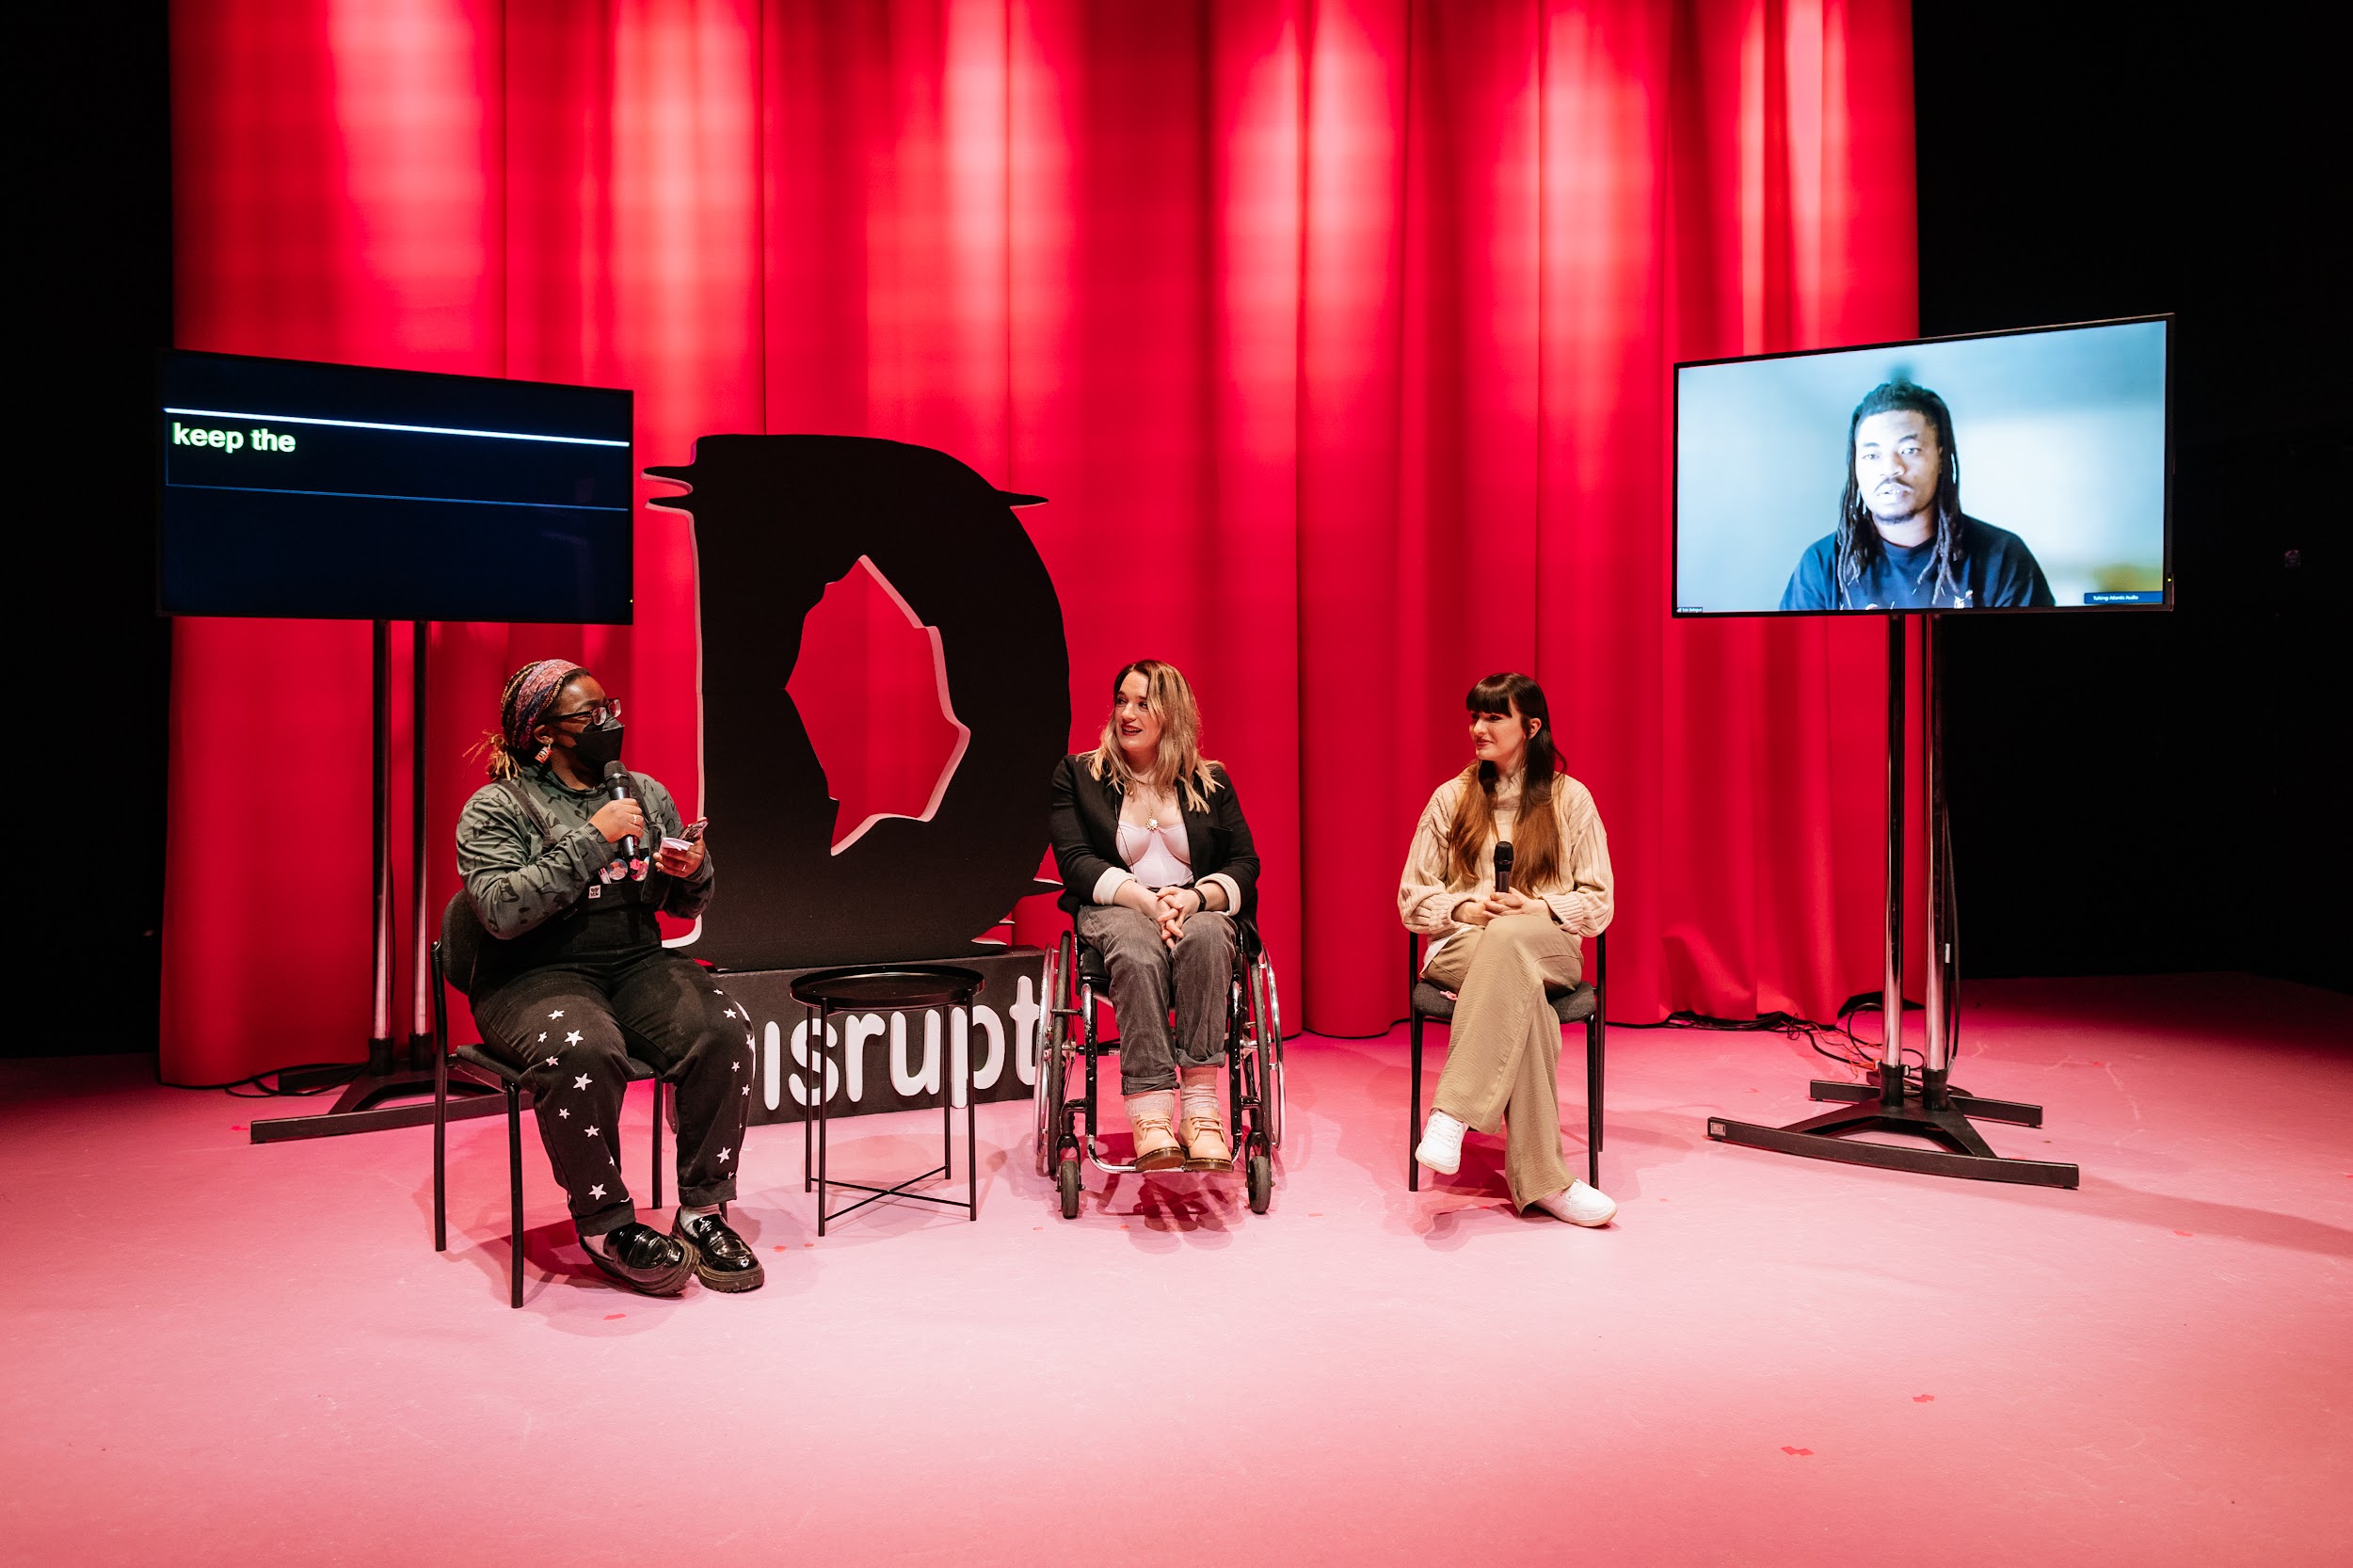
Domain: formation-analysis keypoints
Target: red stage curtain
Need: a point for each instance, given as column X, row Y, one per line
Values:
column 1337, row 333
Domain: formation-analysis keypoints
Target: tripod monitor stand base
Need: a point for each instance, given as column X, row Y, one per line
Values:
column 367, row 1087
column 385, row 1076
column 1933, row 1111
column 1925, row 1106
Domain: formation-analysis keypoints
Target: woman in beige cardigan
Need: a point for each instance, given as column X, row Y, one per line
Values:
column 1498, row 952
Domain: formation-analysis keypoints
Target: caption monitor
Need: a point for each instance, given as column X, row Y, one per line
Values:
column 2015, row 470
column 337, row 491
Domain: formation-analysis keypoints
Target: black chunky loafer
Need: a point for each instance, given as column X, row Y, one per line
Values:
column 723, row 1260
column 644, row 1260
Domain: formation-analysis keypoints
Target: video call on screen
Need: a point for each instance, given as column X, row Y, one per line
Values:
column 2055, row 456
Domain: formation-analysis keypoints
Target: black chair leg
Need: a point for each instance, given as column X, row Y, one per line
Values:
column 514, row 1195
column 1601, row 1076
column 1413, row 1117
column 657, row 1143
column 440, row 1147
column 1594, row 1100
column 1601, row 1031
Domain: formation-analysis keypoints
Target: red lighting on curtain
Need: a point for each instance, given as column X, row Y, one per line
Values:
column 1336, row 332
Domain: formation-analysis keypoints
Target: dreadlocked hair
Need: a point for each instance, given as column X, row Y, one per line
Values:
column 1858, row 544
column 530, row 692
column 1536, row 833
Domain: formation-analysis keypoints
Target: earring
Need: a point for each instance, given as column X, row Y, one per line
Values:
column 544, row 750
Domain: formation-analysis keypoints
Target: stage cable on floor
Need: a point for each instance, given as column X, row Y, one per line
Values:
column 1837, row 1042
column 1853, row 1053
column 259, row 1087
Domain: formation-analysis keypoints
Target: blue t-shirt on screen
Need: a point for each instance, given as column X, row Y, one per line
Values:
column 1997, row 572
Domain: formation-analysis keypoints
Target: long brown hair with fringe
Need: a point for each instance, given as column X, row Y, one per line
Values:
column 1536, row 832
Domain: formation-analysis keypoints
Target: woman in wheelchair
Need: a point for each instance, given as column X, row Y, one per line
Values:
column 1156, row 864
column 1499, row 950
column 579, row 978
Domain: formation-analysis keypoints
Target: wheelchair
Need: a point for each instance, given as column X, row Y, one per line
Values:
column 1068, row 1124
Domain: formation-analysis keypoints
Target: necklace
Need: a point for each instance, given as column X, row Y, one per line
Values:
column 1152, row 808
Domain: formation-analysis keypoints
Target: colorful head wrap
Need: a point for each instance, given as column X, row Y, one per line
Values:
column 530, row 693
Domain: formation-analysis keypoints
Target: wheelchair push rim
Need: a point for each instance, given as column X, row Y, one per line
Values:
column 1266, row 1027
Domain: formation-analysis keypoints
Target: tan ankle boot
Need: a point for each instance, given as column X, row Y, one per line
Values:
column 1206, row 1148
column 1205, row 1144
column 1147, row 1118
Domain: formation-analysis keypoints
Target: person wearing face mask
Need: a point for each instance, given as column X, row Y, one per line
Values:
column 1500, row 951
column 1156, row 864
column 1902, row 541
column 577, row 979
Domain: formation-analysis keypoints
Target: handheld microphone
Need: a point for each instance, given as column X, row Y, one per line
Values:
column 632, row 849
column 1504, row 866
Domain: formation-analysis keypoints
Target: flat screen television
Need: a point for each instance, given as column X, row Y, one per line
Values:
column 2003, row 471
column 290, row 489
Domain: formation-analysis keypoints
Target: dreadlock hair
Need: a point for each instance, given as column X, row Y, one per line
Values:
column 1859, row 546
column 530, row 692
column 1536, row 835
column 1179, row 763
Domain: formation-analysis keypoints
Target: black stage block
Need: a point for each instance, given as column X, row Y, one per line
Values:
column 887, row 1069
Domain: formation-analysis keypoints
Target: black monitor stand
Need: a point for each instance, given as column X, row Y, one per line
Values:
column 389, row 1072
column 1928, row 1107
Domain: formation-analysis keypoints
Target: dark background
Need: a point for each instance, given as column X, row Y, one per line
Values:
column 2133, row 793
column 2146, row 793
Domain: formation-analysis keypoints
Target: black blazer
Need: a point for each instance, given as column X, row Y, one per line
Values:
column 1085, row 829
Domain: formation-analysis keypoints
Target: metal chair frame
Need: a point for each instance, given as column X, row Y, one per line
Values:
column 511, row 1080
column 1254, row 1067
column 1585, row 1004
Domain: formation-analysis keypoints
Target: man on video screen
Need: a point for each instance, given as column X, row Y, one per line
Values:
column 1902, row 541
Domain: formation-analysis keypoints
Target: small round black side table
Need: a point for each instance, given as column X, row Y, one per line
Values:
column 886, row 988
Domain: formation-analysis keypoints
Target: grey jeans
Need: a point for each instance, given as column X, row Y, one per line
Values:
column 1145, row 973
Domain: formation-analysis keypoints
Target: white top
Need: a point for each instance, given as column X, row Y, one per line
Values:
column 1159, row 856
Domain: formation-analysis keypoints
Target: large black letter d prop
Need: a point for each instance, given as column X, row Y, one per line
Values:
column 778, row 518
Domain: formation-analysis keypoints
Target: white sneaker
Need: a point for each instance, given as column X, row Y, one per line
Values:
column 1580, row 1206
column 1441, row 1144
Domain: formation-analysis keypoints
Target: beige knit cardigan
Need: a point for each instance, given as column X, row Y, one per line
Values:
column 1429, row 890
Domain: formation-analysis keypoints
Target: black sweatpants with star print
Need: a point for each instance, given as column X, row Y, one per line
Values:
column 571, row 1025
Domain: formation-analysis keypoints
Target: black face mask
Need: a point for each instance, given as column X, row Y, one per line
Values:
column 597, row 744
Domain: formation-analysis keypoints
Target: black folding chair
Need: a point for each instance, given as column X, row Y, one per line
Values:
column 462, row 933
column 1426, row 1003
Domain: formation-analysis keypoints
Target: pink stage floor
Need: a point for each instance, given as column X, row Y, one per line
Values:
column 219, row 1353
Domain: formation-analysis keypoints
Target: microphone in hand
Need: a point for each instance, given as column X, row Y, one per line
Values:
column 632, row 847
column 1503, row 867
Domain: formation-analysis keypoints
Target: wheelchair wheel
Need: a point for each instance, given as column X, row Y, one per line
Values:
column 1267, row 1025
column 1261, row 1178
column 1066, row 1179
column 1054, row 1030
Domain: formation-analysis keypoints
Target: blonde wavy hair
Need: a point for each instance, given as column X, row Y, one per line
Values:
column 1169, row 696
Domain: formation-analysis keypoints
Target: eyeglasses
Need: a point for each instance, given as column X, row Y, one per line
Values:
column 595, row 713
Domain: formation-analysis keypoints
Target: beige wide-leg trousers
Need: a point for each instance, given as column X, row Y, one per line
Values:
column 1503, row 1052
